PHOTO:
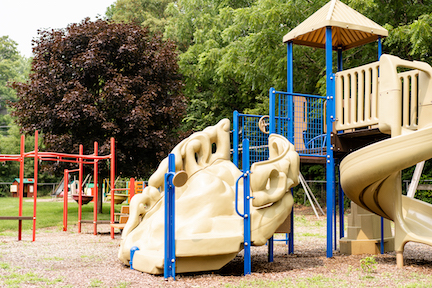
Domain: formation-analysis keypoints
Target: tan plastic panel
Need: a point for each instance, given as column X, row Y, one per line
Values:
column 209, row 233
column 371, row 176
column 357, row 97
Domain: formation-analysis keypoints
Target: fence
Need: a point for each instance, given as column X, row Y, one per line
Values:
column 5, row 188
column 300, row 118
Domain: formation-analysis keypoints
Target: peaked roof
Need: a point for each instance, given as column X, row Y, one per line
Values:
column 350, row 28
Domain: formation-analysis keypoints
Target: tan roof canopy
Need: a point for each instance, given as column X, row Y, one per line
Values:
column 349, row 28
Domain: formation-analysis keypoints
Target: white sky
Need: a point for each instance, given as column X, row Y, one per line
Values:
column 20, row 19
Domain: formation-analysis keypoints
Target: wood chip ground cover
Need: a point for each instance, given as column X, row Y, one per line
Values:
column 69, row 259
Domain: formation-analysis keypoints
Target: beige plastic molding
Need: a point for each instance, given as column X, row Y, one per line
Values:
column 371, row 176
column 209, row 233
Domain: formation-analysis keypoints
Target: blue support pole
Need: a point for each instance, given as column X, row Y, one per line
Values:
column 246, row 217
column 290, row 72
column 235, row 138
column 330, row 171
column 291, row 233
column 340, row 60
column 379, row 47
column 169, row 229
column 382, row 219
column 270, row 249
column 272, row 112
column 290, row 89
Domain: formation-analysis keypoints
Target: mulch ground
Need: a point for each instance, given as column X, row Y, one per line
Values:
column 69, row 259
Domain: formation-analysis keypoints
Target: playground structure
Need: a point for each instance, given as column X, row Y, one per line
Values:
column 323, row 129
column 371, row 176
column 357, row 111
column 209, row 232
column 79, row 159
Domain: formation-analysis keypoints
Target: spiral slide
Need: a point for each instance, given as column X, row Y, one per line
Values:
column 371, row 176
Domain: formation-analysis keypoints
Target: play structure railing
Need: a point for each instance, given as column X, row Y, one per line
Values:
column 300, row 118
column 246, row 126
column 357, row 97
column 410, row 93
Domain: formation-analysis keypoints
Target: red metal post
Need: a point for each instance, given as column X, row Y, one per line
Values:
column 65, row 198
column 112, row 159
column 21, row 186
column 95, row 189
column 80, row 188
column 36, row 150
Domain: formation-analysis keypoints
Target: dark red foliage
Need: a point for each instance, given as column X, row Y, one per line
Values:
column 96, row 80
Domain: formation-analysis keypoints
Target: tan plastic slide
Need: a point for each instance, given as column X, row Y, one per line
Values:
column 371, row 176
column 209, row 233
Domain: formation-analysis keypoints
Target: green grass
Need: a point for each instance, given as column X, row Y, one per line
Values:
column 16, row 279
column 314, row 281
column 48, row 214
column 96, row 283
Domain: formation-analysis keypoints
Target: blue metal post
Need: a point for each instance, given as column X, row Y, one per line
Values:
column 382, row 219
column 235, row 138
column 290, row 72
column 272, row 112
column 379, row 47
column 132, row 254
column 247, row 218
column 290, row 89
column 341, row 193
column 340, row 60
column 270, row 249
column 169, row 229
column 330, row 171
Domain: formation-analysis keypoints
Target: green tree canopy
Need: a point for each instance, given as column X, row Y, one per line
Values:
column 148, row 13
column 96, row 80
column 13, row 67
column 231, row 52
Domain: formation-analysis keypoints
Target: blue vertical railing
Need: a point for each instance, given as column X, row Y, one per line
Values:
column 330, row 167
column 245, row 126
column 169, row 228
column 382, row 219
column 246, row 207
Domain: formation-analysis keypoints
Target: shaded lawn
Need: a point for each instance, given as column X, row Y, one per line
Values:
column 48, row 213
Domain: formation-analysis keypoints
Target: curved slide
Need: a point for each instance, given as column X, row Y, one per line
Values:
column 371, row 176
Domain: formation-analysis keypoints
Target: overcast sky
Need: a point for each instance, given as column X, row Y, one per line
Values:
column 20, row 19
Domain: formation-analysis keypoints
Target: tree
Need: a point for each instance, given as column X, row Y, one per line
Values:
column 232, row 53
column 13, row 67
column 96, row 80
column 147, row 13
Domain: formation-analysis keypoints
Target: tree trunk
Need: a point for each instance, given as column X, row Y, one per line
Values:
column 100, row 195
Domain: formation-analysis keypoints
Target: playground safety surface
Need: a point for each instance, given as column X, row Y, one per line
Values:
column 69, row 259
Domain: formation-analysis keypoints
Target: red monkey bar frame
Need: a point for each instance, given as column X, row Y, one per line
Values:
column 80, row 159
